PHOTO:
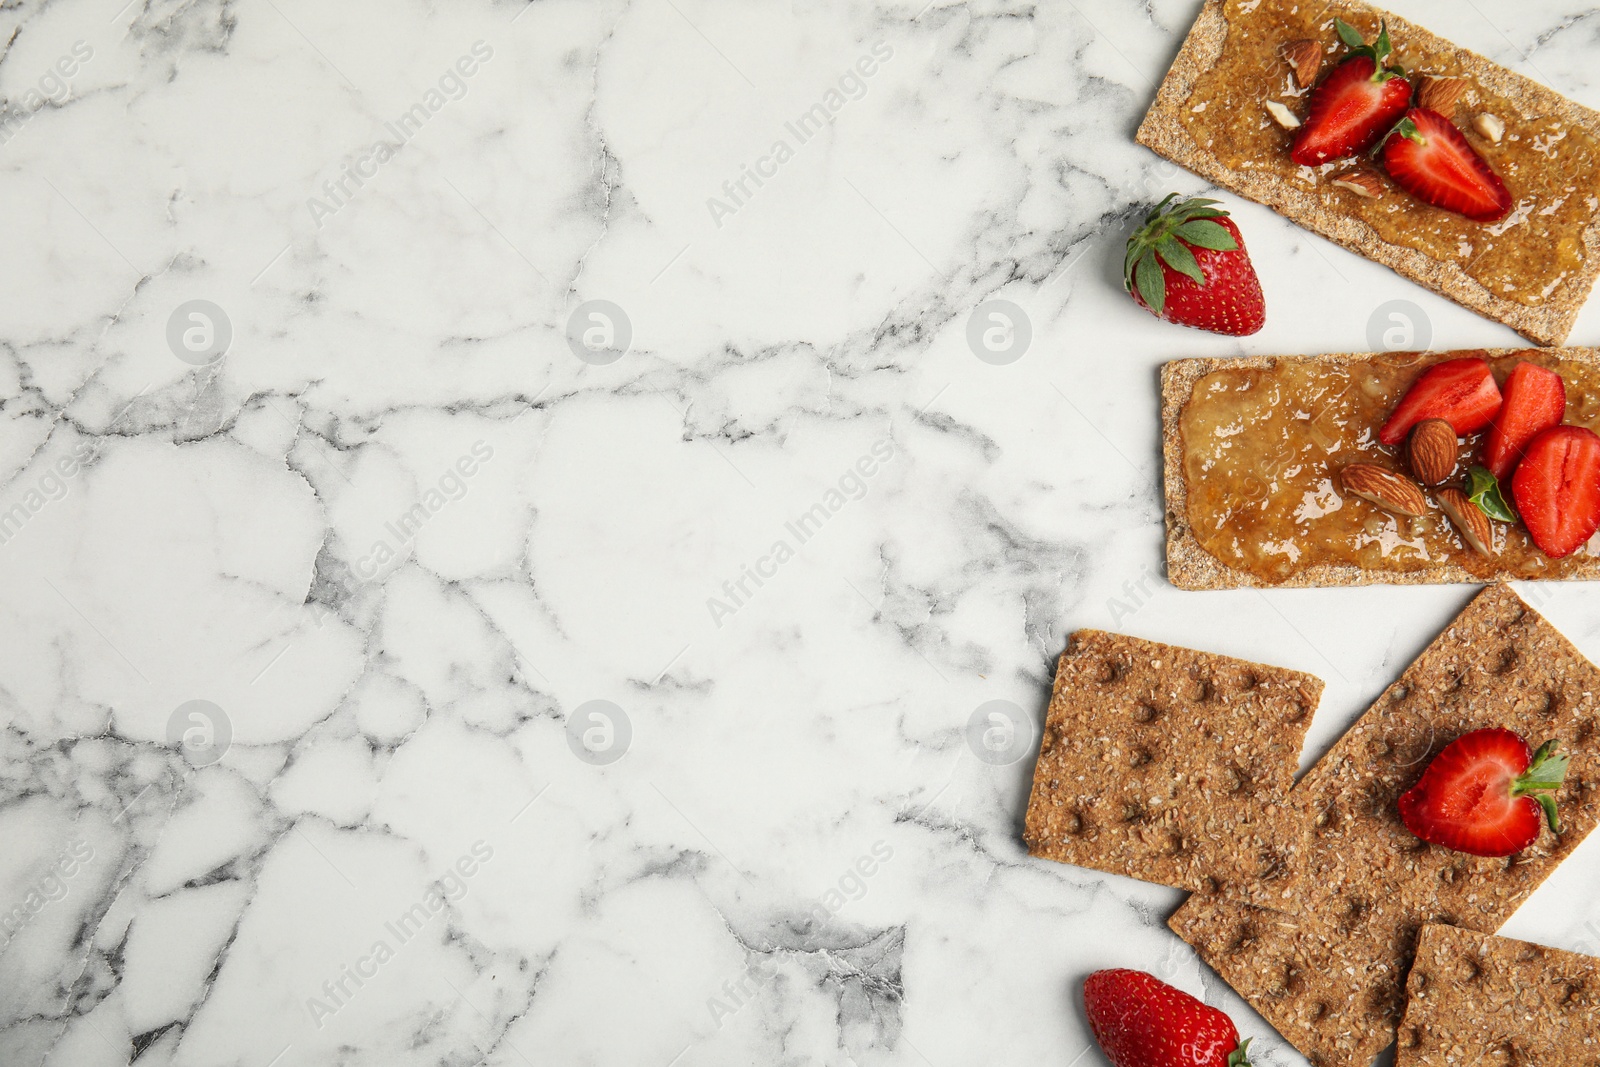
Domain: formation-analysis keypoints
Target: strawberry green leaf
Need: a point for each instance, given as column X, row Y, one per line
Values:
column 1179, row 258
column 1382, row 46
column 1203, row 233
column 1484, row 490
column 1548, row 803
column 1240, row 1057
column 1378, row 51
column 1547, row 771
column 1152, row 285
column 1541, row 780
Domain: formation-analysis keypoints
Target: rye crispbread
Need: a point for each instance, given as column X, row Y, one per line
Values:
column 1167, row 764
column 1474, row 998
column 1190, row 566
column 1309, row 205
column 1325, row 962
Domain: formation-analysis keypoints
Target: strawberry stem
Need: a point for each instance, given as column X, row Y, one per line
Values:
column 1407, row 129
column 1379, row 50
column 1542, row 778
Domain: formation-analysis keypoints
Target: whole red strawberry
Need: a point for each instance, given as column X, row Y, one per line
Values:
column 1355, row 104
column 1188, row 265
column 1486, row 794
column 1141, row 1021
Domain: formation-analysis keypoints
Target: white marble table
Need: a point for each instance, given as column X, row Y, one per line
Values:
column 325, row 533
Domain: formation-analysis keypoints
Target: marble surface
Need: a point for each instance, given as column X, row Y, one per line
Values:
column 392, row 677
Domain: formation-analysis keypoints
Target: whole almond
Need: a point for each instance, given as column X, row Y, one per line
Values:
column 1432, row 451
column 1469, row 520
column 1390, row 490
column 1441, row 94
column 1305, row 58
column 1364, row 183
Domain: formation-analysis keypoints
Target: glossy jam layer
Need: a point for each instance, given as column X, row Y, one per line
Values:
column 1262, row 451
column 1551, row 168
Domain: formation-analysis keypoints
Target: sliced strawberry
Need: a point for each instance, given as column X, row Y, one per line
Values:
column 1484, row 794
column 1535, row 401
column 1430, row 159
column 1557, row 489
column 1188, row 264
column 1355, row 104
column 1460, row 391
column 1141, row 1021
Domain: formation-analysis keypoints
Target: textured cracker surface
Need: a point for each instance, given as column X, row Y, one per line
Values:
column 1326, row 969
column 1163, row 132
column 1190, row 566
column 1476, row 998
column 1167, row 764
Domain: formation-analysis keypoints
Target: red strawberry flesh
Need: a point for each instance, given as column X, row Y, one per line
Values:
column 1430, row 159
column 1349, row 111
column 1557, row 489
column 1486, row 794
column 1535, row 401
column 1141, row 1021
column 1460, row 391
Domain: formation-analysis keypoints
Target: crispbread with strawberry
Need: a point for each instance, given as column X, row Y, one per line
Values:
column 1324, row 956
column 1463, row 195
column 1500, row 403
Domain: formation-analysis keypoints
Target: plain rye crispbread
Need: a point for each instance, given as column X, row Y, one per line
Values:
column 1190, row 566
column 1309, row 204
column 1476, row 998
column 1166, row 764
column 1326, row 968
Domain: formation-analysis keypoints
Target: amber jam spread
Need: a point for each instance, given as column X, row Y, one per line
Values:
column 1551, row 167
column 1262, row 451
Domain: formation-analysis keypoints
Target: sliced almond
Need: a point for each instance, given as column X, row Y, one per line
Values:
column 1432, row 451
column 1390, row 490
column 1490, row 127
column 1282, row 115
column 1469, row 520
column 1441, row 94
column 1305, row 58
column 1361, row 182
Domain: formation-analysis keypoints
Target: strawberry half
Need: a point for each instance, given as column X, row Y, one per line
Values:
column 1141, row 1021
column 1535, row 401
column 1188, row 264
column 1460, row 391
column 1557, row 489
column 1430, row 159
column 1484, row 794
column 1355, row 104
